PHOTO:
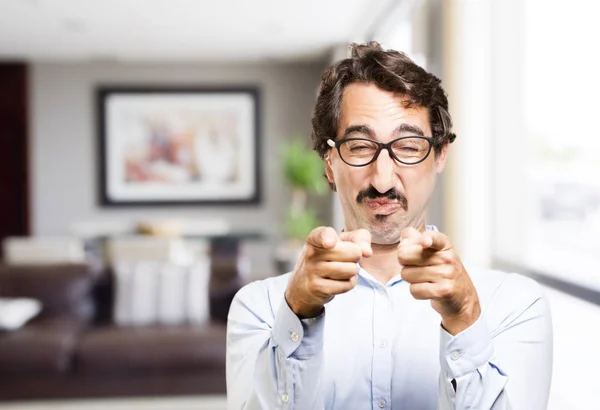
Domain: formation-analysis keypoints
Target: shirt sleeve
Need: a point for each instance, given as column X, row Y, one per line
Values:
column 274, row 360
column 507, row 368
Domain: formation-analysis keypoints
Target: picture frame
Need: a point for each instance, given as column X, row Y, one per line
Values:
column 163, row 146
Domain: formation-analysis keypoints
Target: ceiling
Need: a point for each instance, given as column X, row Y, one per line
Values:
column 183, row 30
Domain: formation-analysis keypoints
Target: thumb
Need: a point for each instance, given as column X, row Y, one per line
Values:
column 361, row 237
column 436, row 241
column 410, row 236
column 323, row 237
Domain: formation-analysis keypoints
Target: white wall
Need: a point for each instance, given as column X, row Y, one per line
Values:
column 63, row 140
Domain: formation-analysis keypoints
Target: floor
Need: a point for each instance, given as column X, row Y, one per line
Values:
column 576, row 353
column 179, row 403
column 574, row 384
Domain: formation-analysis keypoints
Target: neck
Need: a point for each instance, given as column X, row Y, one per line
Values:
column 383, row 265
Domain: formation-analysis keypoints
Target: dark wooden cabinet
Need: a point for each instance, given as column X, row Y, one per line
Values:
column 14, row 150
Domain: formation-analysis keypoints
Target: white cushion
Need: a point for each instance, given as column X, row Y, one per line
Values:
column 172, row 294
column 43, row 250
column 144, row 288
column 197, row 291
column 140, row 247
column 159, row 292
column 160, row 280
column 15, row 312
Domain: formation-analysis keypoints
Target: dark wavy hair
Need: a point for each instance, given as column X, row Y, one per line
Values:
column 390, row 71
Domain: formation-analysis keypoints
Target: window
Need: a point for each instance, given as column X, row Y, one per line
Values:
column 547, row 143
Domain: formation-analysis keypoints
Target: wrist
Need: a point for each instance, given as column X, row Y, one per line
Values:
column 304, row 311
column 456, row 323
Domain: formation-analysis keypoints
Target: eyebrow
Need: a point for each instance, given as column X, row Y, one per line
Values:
column 367, row 131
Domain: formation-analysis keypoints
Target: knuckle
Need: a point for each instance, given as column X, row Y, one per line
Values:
column 317, row 231
column 349, row 285
column 446, row 258
column 444, row 290
column 328, row 229
column 355, row 251
column 447, row 271
column 317, row 267
column 350, row 269
column 363, row 233
column 414, row 291
column 413, row 231
column 313, row 235
column 340, row 270
column 309, row 251
column 318, row 287
column 403, row 253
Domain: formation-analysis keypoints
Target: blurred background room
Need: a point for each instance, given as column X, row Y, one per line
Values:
column 155, row 157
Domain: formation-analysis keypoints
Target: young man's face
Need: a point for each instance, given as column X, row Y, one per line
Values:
column 408, row 188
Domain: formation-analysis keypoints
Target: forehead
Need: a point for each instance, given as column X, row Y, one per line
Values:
column 382, row 111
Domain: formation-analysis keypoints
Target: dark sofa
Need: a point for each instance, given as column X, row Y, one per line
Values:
column 72, row 348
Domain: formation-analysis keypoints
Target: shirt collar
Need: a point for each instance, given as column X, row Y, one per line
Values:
column 374, row 283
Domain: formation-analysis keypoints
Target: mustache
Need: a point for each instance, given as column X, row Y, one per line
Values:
column 392, row 195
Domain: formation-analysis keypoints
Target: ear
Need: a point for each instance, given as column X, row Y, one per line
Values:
column 328, row 167
column 440, row 159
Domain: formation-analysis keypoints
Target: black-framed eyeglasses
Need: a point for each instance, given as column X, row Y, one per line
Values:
column 359, row 152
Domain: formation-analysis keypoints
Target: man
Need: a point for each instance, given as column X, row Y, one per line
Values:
column 384, row 315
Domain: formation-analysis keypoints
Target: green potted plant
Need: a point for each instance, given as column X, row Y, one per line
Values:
column 303, row 172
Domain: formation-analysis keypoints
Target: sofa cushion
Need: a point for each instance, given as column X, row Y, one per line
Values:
column 158, row 292
column 63, row 290
column 118, row 349
column 43, row 348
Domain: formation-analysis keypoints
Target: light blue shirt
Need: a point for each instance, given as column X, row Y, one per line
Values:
column 376, row 347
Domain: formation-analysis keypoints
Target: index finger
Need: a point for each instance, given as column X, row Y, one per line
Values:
column 436, row 241
column 362, row 238
column 323, row 237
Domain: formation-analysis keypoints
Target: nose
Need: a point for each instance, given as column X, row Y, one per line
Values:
column 384, row 176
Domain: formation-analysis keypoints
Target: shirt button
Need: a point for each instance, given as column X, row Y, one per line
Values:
column 381, row 403
column 294, row 336
column 382, row 291
column 383, row 344
column 285, row 398
column 455, row 355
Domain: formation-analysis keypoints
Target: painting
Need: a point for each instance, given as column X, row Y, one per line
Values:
column 176, row 146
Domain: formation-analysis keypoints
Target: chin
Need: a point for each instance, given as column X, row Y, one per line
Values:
column 379, row 239
column 385, row 231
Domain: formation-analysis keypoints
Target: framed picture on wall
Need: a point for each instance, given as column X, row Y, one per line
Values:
column 177, row 146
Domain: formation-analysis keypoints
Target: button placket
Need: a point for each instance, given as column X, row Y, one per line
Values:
column 382, row 363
